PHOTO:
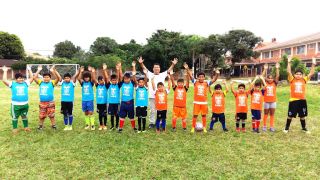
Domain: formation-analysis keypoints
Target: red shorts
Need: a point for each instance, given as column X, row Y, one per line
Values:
column 200, row 109
column 47, row 109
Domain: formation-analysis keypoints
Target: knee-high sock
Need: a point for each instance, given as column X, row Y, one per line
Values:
column 25, row 122
column 204, row 122
column 121, row 123
column 265, row 117
column 271, row 121
column 112, row 120
column 212, row 123
column 133, row 123
column 100, row 119
column 223, row 122
column 253, row 123
column 117, row 121
column 105, row 120
column 288, row 124
column 91, row 120
column 238, row 123
column 194, row 121
column 65, row 119
column 164, row 122
column 303, row 123
column 257, row 124
column 139, row 123
column 158, row 124
column 70, row 119
column 15, row 123
column 87, row 118
column 174, row 122
column 144, row 121
column 184, row 123
column 243, row 122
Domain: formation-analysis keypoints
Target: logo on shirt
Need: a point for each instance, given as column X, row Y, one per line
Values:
column 20, row 90
column 44, row 90
column 100, row 93
column 218, row 101
column 200, row 90
column 298, row 87
column 242, row 101
column 86, row 90
column 161, row 98
column 180, row 94
column 270, row 90
column 113, row 93
column 256, row 98
column 126, row 91
column 66, row 90
column 141, row 95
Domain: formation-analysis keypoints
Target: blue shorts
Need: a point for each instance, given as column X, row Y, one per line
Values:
column 87, row 106
column 256, row 114
column 127, row 109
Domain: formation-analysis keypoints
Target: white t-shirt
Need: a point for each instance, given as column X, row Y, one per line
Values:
column 157, row 78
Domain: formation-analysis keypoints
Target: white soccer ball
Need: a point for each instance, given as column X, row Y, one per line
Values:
column 199, row 127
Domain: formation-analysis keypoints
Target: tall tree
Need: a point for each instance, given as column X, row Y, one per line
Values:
column 213, row 48
column 103, row 45
column 65, row 49
column 11, row 46
column 132, row 49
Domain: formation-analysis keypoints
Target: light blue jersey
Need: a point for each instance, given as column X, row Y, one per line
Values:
column 113, row 93
column 67, row 91
column 142, row 96
column 46, row 91
column 19, row 91
column 127, row 90
column 87, row 91
column 101, row 94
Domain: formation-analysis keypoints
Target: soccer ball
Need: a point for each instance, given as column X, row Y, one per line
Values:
column 199, row 127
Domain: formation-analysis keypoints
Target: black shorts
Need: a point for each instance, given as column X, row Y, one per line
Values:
column 298, row 107
column 66, row 108
column 101, row 108
column 219, row 116
column 162, row 114
column 113, row 109
column 241, row 116
column 141, row 111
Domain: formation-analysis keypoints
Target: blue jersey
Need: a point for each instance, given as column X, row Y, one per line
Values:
column 67, row 91
column 46, row 91
column 127, row 90
column 113, row 93
column 19, row 91
column 101, row 94
column 142, row 96
column 87, row 91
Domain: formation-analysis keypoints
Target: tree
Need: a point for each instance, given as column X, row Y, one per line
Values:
column 65, row 49
column 213, row 48
column 11, row 46
column 295, row 64
column 132, row 49
column 103, row 45
column 193, row 43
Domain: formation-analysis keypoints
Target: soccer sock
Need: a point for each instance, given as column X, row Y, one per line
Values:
column 100, row 119
column 121, row 123
column 164, row 122
column 144, row 121
column 194, row 120
column 133, row 123
column 271, row 121
column 223, row 122
column 303, row 123
column 243, row 123
column 258, row 124
column 15, row 123
column 184, row 123
column 288, row 124
column 105, row 120
column 65, row 119
column 87, row 119
column 70, row 120
column 238, row 123
column 211, row 124
column 174, row 122
column 204, row 122
column 91, row 120
column 112, row 121
column 253, row 123
column 139, row 123
column 25, row 123
column 158, row 124
column 265, row 117
column 117, row 121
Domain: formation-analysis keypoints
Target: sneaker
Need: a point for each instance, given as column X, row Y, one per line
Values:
column 93, row 128
column 264, row 128
column 135, row 129
column 184, row 129
column 272, row 129
column 151, row 126
column 285, row 131
column 305, row 130
column 27, row 129
column 238, row 129
column 66, row 128
column 192, row 130
column 204, row 130
column 225, row 130
column 211, row 129
column 100, row 128
column 40, row 127
column 119, row 130
column 112, row 128
column 15, row 131
column 54, row 127
column 138, row 132
column 144, row 131
column 104, row 128
column 70, row 128
column 257, row 130
column 174, row 130
column 243, row 130
column 87, row 127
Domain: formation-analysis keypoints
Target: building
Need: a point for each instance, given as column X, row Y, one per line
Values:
column 9, row 63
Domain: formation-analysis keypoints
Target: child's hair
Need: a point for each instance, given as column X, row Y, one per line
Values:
column 18, row 75
column 126, row 75
column 86, row 75
column 242, row 85
column 217, row 86
column 298, row 70
column 140, row 79
column 270, row 76
column 160, row 84
column 46, row 74
column 113, row 76
column 180, row 81
column 201, row 73
column 257, row 83
column 67, row 75
column 100, row 78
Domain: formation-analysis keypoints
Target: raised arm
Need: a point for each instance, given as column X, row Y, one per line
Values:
column 105, row 72
column 80, row 74
column 169, row 82
column 265, row 68
column 277, row 72
column 4, row 76
column 252, row 83
column 75, row 76
column 189, row 73
column 172, row 80
column 214, row 79
column 225, row 84
column 134, row 72
column 153, row 85
column 35, row 77
column 144, row 68
column 31, row 78
column 232, row 87
column 174, row 62
column 289, row 66
column 54, row 71
column 263, row 80
column 119, row 71
column 93, row 75
column 314, row 62
column 187, row 80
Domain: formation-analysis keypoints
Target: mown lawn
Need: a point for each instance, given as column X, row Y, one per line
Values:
column 82, row 154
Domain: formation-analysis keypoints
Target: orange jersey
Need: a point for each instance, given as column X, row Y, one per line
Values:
column 161, row 100
column 218, row 102
column 298, row 89
column 241, row 102
column 270, row 93
column 200, row 92
column 256, row 100
column 180, row 97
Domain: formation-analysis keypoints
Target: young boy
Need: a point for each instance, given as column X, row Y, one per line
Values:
column 241, row 96
column 101, row 99
column 200, row 104
column 218, row 106
column 19, row 98
column 46, row 94
column 161, row 101
column 142, row 96
column 298, row 102
column 179, row 101
column 127, row 103
column 256, row 103
column 270, row 97
column 67, row 97
column 86, row 83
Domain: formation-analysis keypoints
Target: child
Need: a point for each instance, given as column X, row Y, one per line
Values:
column 46, row 93
column 86, row 83
column 161, row 101
column 200, row 104
column 113, row 89
column 298, row 102
column 19, row 98
column 241, row 96
column 256, row 103
column 127, row 103
column 67, row 97
column 141, row 103
column 101, row 99
column 218, row 106
column 180, row 101
column 270, row 97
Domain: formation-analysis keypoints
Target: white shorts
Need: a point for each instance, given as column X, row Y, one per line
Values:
column 270, row 105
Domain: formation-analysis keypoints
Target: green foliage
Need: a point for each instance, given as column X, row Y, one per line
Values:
column 213, row 47
column 11, row 46
column 296, row 63
column 65, row 49
column 103, row 46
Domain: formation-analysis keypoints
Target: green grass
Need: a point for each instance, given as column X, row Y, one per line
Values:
column 84, row 154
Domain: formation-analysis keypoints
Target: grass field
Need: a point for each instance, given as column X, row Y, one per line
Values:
column 82, row 154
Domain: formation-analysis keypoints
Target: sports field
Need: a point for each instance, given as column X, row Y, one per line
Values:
column 82, row 154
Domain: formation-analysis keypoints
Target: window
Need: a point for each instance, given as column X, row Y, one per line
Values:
column 266, row 55
column 271, row 53
column 312, row 46
column 286, row 51
column 301, row 49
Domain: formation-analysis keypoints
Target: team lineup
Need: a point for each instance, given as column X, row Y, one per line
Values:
column 123, row 95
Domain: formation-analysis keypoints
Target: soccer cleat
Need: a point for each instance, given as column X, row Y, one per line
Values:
column 104, row 128
column 184, row 129
column 66, row 128
column 238, row 129
column 264, row 128
column 87, row 127
column 100, row 128
column 70, row 128
column 120, row 130
column 112, row 128
column 93, row 128
column 211, row 129
column 225, row 130
column 40, row 128
column 27, row 129
column 192, row 130
column 204, row 130
column 151, row 126
column 243, row 130
column 285, row 131
column 135, row 129
column 144, row 131
column 257, row 130
column 305, row 130
column 54, row 127
column 174, row 130
column 138, row 132
column 272, row 129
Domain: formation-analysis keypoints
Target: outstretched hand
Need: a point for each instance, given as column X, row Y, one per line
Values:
column 104, row 66
column 175, row 61
column 277, row 65
column 4, row 68
column 140, row 60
